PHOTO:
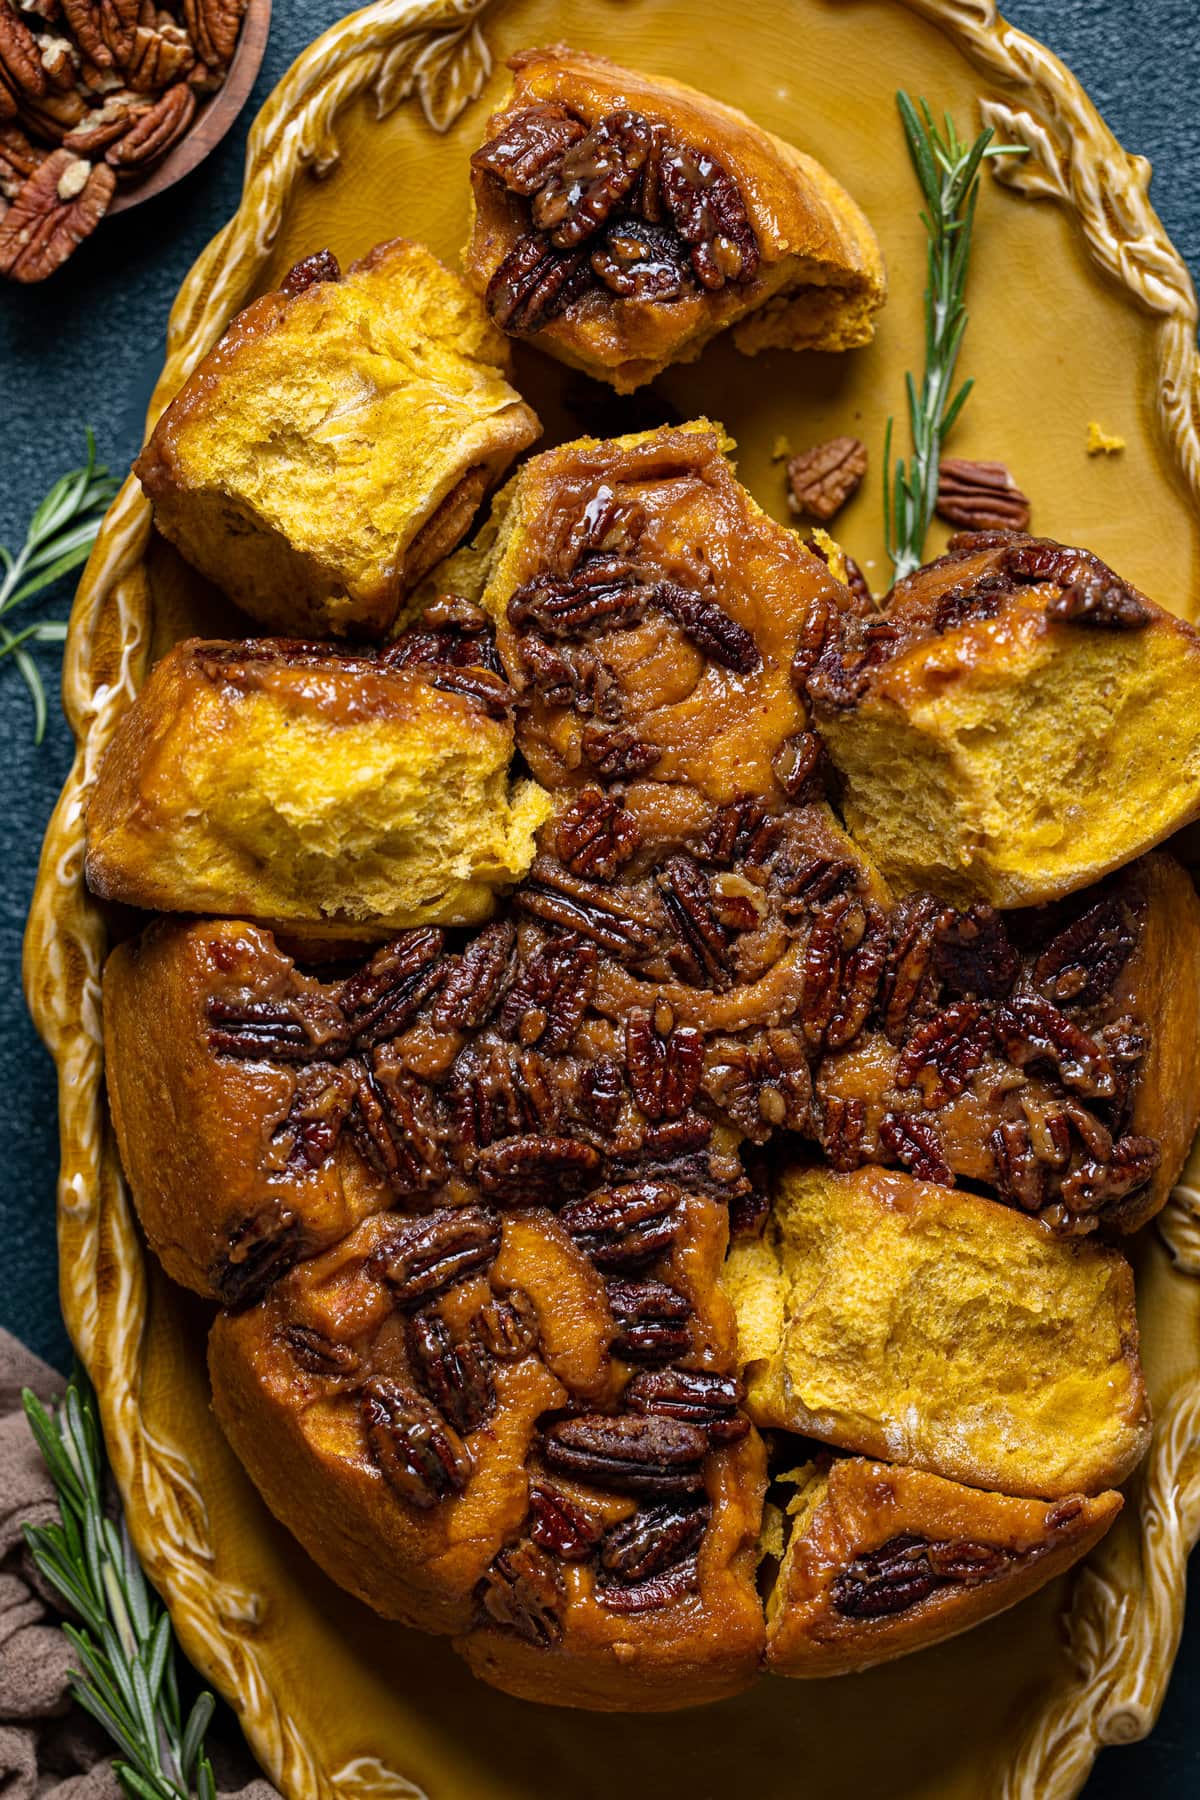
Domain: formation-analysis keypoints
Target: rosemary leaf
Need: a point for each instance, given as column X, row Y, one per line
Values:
column 947, row 171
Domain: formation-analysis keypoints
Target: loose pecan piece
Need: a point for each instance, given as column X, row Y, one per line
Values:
column 796, row 763
column 428, row 1254
column 533, row 1171
column 823, row 478
column 522, row 1591
column 586, row 908
column 663, row 1060
column 640, row 261
column 310, row 271
column 160, row 55
column 560, row 1525
column 456, row 1376
column 62, row 203
column 702, row 954
column 213, row 26
column 154, row 131
column 951, row 1045
column 595, row 835
column 507, row 1326
column 324, row 1097
column 21, row 69
column 630, row 1454
column 477, row 981
column 421, row 1457
column 710, row 216
column 550, row 994
column 914, row 1143
column 1033, row 1031
column 1021, row 1175
column 593, row 176
column 318, row 1354
column 619, row 1227
column 534, row 283
column 652, row 1318
column 389, row 990
column 653, row 1540
column 19, row 157
column 530, row 146
column 708, row 626
column 1080, row 965
column 980, row 496
column 710, row 1401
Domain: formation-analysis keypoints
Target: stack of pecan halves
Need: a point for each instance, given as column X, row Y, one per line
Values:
column 94, row 93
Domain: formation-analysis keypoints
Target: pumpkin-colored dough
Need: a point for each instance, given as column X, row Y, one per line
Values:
column 1008, row 745
column 337, row 442
column 931, row 1326
column 273, row 781
column 958, row 1555
column 820, row 278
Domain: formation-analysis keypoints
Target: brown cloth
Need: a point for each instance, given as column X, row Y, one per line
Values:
column 49, row 1748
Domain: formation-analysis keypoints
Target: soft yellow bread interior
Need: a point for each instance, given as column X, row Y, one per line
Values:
column 326, row 792
column 337, row 442
column 1017, row 758
column 931, row 1326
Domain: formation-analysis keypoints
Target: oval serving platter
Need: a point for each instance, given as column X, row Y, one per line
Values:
column 1081, row 310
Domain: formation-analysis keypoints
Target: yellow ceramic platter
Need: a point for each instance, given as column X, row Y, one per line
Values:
column 1080, row 311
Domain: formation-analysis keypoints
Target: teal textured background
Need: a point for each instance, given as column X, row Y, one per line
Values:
column 85, row 350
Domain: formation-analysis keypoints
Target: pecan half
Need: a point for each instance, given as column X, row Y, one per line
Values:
column 593, row 176
column 421, row 1457
column 973, row 954
column 389, row 990
column 431, row 1253
column 823, row 478
column 530, row 146
column 617, row 752
column 578, row 605
column 652, row 1319
column 742, row 832
column 761, row 1084
column 980, row 496
column 653, row 1540
column 318, row 1354
column 21, row 67
column 1080, row 965
column 586, row 908
column 301, row 1029
column 213, row 26
column 914, row 1143
column 1098, row 1181
column 906, row 1570
column 595, row 835
column 843, row 1130
column 456, row 1376
column 630, row 1454
column 534, row 283
column 550, row 993
column 619, row 1227
column 675, row 1583
column 560, row 1525
column 664, row 1062
column 710, row 216
column 159, row 56
column 908, row 984
column 951, row 1046
column 709, row 627
column 60, row 204
column 522, row 1591
column 710, row 1401
column 796, row 763
column 534, row 1170
column 477, row 981
column 154, row 131
column 259, row 1250
column 702, row 953
column 843, row 964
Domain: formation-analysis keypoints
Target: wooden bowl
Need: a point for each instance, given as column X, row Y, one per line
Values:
column 214, row 116
column 1080, row 310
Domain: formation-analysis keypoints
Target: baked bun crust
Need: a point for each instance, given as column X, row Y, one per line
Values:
column 885, row 1560
column 337, row 442
column 809, row 276
column 1020, row 723
column 931, row 1326
column 291, row 782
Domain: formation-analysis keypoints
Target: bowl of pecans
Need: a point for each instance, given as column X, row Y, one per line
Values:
column 104, row 103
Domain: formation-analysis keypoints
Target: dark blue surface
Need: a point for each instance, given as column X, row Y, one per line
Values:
column 86, row 348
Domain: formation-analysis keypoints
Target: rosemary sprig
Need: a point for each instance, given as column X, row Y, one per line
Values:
column 948, row 171
column 126, row 1676
column 61, row 533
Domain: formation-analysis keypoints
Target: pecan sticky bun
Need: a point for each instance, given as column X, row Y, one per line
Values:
column 622, row 221
column 466, row 1201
